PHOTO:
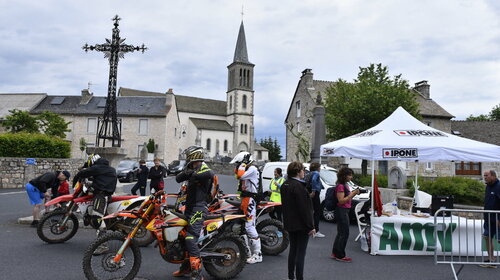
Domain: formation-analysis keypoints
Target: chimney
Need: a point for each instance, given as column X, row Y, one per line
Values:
column 170, row 90
column 423, row 88
column 86, row 96
column 307, row 77
column 169, row 100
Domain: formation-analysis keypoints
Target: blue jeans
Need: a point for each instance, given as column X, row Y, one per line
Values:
column 342, row 217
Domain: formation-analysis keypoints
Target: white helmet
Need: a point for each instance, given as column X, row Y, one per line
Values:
column 91, row 160
column 243, row 157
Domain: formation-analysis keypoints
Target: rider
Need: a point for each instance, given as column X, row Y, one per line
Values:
column 199, row 177
column 248, row 176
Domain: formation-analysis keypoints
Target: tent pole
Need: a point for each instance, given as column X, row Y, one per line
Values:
column 416, row 174
column 373, row 184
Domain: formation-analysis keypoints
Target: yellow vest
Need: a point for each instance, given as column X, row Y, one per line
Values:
column 275, row 190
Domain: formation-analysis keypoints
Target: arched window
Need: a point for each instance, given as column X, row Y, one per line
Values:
column 225, row 145
column 230, row 102
column 246, row 131
column 244, row 102
column 241, row 129
column 208, row 144
column 241, row 77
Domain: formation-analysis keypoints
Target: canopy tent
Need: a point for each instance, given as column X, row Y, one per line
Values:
column 402, row 137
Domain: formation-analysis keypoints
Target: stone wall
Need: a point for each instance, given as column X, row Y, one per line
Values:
column 15, row 173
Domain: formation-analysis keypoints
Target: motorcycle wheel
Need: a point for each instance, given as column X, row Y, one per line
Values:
column 50, row 231
column 102, row 266
column 274, row 238
column 226, row 269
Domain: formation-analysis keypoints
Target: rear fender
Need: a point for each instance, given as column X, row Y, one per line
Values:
column 85, row 198
column 59, row 199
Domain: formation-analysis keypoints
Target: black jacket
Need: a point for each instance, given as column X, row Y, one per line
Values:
column 156, row 175
column 199, row 185
column 104, row 176
column 142, row 175
column 45, row 181
column 296, row 206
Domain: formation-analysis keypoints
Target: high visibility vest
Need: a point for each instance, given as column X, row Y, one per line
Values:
column 275, row 189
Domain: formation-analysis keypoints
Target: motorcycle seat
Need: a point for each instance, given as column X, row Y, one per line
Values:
column 120, row 198
column 180, row 215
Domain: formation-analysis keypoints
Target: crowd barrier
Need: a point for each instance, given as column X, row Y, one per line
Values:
column 460, row 241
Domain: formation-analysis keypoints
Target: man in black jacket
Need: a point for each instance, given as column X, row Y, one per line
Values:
column 38, row 189
column 142, row 179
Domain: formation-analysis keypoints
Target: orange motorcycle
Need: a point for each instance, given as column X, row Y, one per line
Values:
column 223, row 255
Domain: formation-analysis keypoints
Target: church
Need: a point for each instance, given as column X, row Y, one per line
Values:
column 175, row 122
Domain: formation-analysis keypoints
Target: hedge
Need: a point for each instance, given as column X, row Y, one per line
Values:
column 465, row 190
column 33, row 145
column 367, row 180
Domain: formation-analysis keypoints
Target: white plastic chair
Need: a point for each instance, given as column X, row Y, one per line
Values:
column 361, row 225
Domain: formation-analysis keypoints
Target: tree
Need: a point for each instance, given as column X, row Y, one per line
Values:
column 478, row 118
column 53, row 125
column 151, row 146
column 351, row 108
column 273, row 147
column 493, row 115
column 21, row 121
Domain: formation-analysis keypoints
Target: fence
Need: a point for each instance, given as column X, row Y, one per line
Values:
column 460, row 241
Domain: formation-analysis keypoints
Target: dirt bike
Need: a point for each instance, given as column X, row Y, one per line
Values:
column 223, row 255
column 62, row 224
column 274, row 238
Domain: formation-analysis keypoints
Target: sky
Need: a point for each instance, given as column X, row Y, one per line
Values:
column 453, row 44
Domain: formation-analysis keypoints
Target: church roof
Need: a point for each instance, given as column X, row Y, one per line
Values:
column 220, row 125
column 198, row 105
column 126, row 106
column 19, row 101
column 240, row 53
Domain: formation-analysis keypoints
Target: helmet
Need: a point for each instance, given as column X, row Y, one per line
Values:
column 194, row 153
column 91, row 160
column 243, row 157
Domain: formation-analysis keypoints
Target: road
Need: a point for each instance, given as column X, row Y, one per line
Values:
column 25, row 256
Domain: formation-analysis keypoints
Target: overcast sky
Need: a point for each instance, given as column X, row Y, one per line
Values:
column 454, row 45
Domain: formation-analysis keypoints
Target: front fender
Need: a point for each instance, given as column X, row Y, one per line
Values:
column 59, row 199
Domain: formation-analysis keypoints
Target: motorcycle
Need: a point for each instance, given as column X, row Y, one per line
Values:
column 62, row 224
column 223, row 255
column 274, row 238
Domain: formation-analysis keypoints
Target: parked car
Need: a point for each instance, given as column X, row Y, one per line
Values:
column 328, row 177
column 176, row 166
column 127, row 170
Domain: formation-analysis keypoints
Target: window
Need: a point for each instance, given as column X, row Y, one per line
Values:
column 259, row 155
column 244, row 102
column 139, row 149
column 143, row 126
column 428, row 165
column 209, row 143
column 225, row 145
column 468, row 168
column 217, row 146
column 241, row 129
column 91, row 125
column 241, row 77
column 297, row 108
column 298, row 127
column 230, row 102
column 175, row 131
column 246, row 127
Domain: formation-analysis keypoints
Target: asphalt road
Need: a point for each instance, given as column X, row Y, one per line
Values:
column 24, row 256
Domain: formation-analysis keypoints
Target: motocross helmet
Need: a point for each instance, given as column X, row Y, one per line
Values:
column 242, row 157
column 91, row 160
column 194, row 153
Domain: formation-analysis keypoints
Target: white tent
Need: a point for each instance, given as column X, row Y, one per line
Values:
column 402, row 137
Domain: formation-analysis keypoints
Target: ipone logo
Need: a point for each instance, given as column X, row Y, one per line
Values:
column 400, row 153
column 429, row 133
column 328, row 151
column 367, row 133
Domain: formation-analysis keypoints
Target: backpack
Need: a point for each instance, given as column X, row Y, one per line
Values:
column 308, row 180
column 331, row 199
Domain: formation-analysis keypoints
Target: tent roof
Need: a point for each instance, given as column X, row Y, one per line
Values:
column 402, row 137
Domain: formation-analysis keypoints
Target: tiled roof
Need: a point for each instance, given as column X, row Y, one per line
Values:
column 19, row 101
column 219, row 125
column 258, row 147
column 484, row 131
column 190, row 104
column 135, row 92
column 429, row 107
column 126, row 106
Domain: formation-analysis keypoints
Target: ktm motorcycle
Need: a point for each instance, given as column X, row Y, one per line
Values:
column 62, row 224
column 223, row 255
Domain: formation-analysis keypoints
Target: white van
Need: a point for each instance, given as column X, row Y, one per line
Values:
column 328, row 177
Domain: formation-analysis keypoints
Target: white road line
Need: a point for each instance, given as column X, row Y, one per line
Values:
column 12, row 192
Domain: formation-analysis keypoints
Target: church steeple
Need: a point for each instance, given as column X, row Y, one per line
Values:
column 240, row 72
column 240, row 53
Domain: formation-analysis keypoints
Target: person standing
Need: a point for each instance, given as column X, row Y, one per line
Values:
column 297, row 218
column 316, row 188
column 344, row 197
column 491, row 221
column 199, row 181
column 275, row 187
column 142, row 179
column 156, row 174
column 38, row 189
column 248, row 176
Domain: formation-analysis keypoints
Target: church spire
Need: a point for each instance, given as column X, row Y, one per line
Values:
column 240, row 53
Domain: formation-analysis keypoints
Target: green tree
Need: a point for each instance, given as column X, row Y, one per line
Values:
column 493, row 115
column 53, row 125
column 151, row 146
column 351, row 108
column 273, row 147
column 21, row 121
column 478, row 118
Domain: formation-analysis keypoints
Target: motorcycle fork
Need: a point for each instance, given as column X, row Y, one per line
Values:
column 71, row 208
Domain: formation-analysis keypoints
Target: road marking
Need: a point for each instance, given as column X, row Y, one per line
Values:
column 12, row 193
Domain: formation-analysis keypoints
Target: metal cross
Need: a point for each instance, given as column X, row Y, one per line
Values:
column 109, row 126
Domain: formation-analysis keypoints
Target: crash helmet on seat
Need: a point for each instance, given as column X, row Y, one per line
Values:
column 91, row 160
column 194, row 153
column 243, row 157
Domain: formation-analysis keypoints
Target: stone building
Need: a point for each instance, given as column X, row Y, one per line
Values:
column 22, row 102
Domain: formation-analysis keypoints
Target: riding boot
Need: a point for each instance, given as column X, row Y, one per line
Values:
column 196, row 268
column 185, row 269
column 256, row 256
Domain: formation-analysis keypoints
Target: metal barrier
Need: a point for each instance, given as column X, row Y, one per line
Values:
column 459, row 240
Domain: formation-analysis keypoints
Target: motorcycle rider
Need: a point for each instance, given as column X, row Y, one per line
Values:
column 103, row 186
column 199, row 177
column 248, row 176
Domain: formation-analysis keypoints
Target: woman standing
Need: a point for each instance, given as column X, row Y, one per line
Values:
column 275, row 187
column 156, row 174
column 344, row 196
column 297, row 218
